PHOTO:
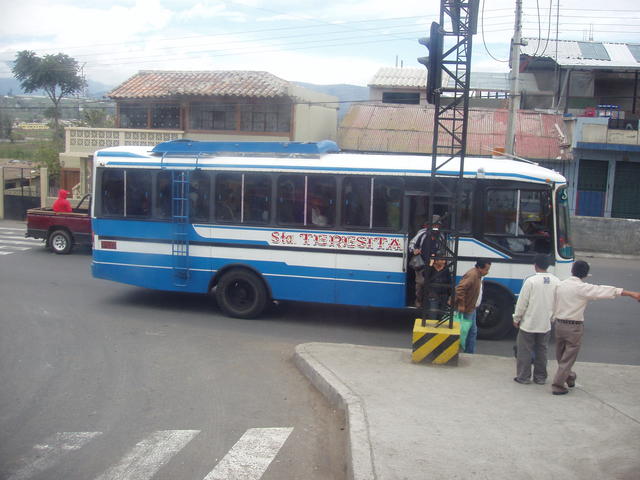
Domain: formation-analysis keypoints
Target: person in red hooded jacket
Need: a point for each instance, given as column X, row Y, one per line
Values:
column 62, row 204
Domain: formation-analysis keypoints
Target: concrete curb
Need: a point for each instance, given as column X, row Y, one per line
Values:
column 359, row 453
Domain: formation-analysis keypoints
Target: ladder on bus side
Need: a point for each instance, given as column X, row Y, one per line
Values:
column 180, row 225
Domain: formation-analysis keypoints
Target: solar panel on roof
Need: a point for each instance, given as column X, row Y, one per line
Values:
column 635, row 51
column 593, row 51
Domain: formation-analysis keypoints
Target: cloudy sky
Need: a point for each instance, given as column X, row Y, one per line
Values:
column 316, row 41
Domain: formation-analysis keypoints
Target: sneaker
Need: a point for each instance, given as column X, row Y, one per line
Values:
column 523, row 382
column 539, row 381
column 559, row 390
column 571, row 381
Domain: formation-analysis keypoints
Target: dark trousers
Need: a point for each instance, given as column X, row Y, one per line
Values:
column 532, row 349
column 568, row 342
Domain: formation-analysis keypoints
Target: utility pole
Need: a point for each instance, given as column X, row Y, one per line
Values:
column 514, row 95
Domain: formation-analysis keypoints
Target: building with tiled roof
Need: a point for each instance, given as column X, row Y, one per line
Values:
column 225, row 105
column 224, row 83
column 228, row 105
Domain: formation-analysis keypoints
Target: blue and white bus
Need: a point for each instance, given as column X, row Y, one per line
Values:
column 255, row 222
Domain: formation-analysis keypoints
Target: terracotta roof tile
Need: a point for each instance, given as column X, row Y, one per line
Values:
column 237, row 83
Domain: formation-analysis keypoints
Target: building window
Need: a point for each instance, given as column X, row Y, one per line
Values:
column 212, row 116
column 133, row 115
column 165, row 115
column 401, row 97
column 265, row 117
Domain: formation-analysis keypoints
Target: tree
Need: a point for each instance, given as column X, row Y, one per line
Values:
column 6, row 126
column 46, row 155
column 96, row 118
column 57, row 75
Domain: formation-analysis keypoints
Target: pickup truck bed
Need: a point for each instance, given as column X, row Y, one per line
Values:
column 60, row 230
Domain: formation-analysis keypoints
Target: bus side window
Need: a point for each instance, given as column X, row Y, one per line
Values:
column 465, row 209
column 290, row 201
column 257, row 198
column 138, row 193
column 387, row 199
column 199, row 195
column 163, row 195
column 112, row 192
column 356, row 201
column 228, row 192
column 321, row 201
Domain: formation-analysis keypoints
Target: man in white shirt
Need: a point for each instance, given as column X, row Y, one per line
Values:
column 532, row 317
column 572, row 296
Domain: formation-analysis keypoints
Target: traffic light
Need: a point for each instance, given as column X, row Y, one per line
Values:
column 434, row 61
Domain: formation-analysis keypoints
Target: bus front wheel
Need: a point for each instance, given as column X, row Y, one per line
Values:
column 241, row 294
column 495, row 313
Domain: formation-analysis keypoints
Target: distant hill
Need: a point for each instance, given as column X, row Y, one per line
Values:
column 11, row 86
column 345, row 92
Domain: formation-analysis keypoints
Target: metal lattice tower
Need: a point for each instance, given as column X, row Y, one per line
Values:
column 458, row 20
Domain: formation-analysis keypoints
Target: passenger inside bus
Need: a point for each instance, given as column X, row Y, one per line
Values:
column 317, row 212
column 226, row 206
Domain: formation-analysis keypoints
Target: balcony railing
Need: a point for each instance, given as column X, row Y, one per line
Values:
column 88, row 140
column 596, row 130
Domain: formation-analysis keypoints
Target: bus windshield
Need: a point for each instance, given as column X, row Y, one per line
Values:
column 565, row 249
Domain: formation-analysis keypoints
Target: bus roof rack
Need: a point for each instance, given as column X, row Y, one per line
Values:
column 195, row 147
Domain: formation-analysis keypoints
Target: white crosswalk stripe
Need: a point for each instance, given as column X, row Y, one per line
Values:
column 251, row 455
column 144, row 460
column 248, row 459
column 12, row 240
column 50, row 452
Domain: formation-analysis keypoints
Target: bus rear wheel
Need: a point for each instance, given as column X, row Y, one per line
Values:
column 495, row 313
column 241, row 294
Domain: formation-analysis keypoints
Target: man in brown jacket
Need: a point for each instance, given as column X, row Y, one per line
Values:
column 468, row 298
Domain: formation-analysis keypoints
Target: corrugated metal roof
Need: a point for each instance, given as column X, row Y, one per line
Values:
column 569, row 53
column 399, row 77
column 238, row 83
column 409, row 129
column 393, row 77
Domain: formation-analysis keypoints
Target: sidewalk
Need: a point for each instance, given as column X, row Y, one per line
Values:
column 420, row 421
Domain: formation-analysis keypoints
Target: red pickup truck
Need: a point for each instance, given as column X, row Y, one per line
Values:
column 61, row 230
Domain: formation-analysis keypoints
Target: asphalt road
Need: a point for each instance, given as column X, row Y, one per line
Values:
column 101, row 380
column 96, row 378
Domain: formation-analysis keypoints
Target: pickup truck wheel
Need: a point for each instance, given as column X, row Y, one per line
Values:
column 60, row 241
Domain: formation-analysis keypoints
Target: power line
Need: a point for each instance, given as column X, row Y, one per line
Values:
column 305, row 32
column 483, row 37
